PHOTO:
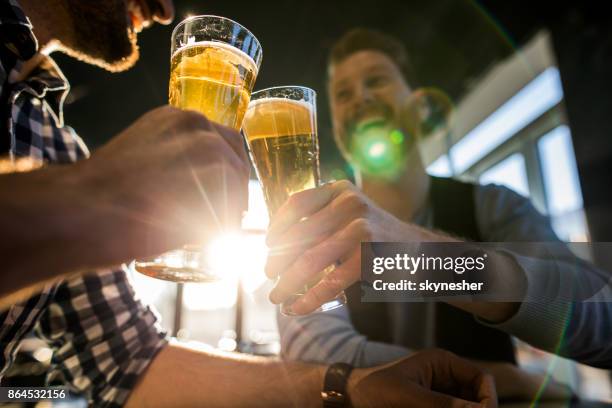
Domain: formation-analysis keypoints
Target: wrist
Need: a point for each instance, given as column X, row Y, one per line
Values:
column 353, row 385
column 335, row 386
column 310, row 379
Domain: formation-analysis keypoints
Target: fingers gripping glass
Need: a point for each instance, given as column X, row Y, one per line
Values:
column 280, row 126
column 213, row 66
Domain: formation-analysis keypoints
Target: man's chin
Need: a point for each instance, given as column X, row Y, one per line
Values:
column 112, row 63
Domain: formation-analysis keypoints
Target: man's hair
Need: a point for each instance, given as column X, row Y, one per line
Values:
column 359, row 39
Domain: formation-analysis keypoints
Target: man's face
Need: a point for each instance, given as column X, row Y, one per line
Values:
column 104, row 32
column 365, row 88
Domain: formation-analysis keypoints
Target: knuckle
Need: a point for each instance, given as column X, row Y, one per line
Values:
column 317, row 295
column 355, row 202
column 158, row 113
column 215, row 147
column 306, row 263
column 331, row 285
column 294, row 201
column 191, row 119
column 167, row 109
column 307, row 259
column 362, row 227
column 438, row 353
column 343, row 185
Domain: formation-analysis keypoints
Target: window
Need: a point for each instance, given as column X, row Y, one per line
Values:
column 562, row 185
column 526, row 146
column 541, row 94
column 440, row 167
column 510, row 172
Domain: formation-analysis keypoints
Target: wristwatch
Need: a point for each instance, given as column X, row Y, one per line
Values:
column 334, row 392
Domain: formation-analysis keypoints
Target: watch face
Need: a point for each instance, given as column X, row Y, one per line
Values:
column 333, row 399
column 332, row 396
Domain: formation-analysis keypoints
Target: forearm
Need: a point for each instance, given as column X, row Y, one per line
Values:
column 183, row 377
column 508, row 278
column 330, row 337
column 45, row 221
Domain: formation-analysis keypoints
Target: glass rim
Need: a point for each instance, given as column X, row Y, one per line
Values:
column 272, row 88
column 201, row 17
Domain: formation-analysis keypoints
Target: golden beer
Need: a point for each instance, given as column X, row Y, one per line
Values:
column 213, row 78
column 282, row 139
column 213, row 66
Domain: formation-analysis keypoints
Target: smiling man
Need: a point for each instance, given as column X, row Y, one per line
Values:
column 84, row 216
column 395, row 200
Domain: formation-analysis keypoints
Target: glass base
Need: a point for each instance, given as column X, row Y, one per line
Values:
column 174, row 274
column 183, row 266
column 335, row 303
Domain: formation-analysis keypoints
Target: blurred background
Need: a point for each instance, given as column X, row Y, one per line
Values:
column 525, row 89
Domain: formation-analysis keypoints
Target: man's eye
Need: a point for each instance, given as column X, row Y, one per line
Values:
column 376, row 81
column 343, row 95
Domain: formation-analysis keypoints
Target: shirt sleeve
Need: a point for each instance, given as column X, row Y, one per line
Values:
column 579, row 329
column 329, row 337
column 103, row 338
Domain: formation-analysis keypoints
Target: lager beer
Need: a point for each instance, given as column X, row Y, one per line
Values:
column 213, row 78
column 213, row 66
column 282, row 139
column 280, row 126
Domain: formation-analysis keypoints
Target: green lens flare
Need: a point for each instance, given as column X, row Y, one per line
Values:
column 378, row 150
column 396, row 137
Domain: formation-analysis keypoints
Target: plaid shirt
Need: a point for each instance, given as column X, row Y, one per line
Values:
column 103, row 338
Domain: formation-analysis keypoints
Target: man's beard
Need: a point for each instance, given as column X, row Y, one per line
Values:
column 102, row 34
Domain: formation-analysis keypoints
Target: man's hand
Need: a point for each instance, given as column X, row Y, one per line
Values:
column 432, row 378
column 171, row 178
column 516, row 384
column 324, row 226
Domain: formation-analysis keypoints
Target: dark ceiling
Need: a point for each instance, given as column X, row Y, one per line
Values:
column 451, row 42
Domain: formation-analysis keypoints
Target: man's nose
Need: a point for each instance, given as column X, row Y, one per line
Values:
column 164, row 13
column 363, row 94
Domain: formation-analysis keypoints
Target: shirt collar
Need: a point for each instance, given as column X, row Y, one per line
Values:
column 16, row 30
column 45, row 80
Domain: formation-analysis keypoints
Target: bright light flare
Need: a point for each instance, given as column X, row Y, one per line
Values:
column 377, row 149
column 232, row 257
column 240, row 255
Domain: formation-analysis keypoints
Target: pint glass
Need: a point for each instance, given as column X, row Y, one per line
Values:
column 213, row 66
column 280, row 127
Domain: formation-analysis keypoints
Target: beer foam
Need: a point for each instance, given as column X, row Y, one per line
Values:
column 268, row 117
column 242, row 57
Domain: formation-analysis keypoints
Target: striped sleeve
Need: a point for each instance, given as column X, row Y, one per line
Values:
column 330, row 337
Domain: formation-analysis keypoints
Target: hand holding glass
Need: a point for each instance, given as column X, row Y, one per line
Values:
column 280, row 126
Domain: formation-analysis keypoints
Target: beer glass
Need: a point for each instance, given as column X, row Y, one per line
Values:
column 280, row 127
column 213, row 66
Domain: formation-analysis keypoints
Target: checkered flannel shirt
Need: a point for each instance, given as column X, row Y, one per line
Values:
column 102, row 337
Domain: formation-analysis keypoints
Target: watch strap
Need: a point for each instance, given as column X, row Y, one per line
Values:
column 334, row 392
